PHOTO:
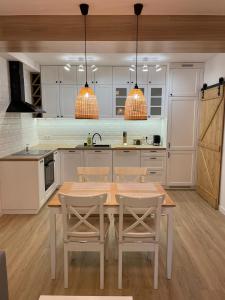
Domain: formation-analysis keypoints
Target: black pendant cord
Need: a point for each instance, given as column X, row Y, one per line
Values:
column 136, row 86
column 85, row 47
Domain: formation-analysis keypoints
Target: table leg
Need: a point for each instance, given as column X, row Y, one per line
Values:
column 169, row 243
column 53, row 243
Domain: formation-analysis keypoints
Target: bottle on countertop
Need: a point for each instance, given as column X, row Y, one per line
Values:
column 89, row 140
column 124, row 137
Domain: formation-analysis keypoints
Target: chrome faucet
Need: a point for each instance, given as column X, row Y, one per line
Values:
column 98, row 134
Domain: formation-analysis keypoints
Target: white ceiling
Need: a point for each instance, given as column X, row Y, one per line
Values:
column 116, row 59
column 115, row 7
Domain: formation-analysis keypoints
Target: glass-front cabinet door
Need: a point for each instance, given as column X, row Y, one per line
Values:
column 119, row 98
column 156, row 101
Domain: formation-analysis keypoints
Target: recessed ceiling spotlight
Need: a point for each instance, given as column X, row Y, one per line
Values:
column 158, row 68
column 145, row 68
column 67, row 68
column 94, row 68
column 132, row 68
column 81, row 68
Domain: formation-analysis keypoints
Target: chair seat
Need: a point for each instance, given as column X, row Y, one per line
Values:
column 84, row 233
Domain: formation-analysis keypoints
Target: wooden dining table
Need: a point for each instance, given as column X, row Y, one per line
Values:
column 111, row 207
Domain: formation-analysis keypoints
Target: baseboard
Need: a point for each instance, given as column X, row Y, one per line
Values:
column 222, row 209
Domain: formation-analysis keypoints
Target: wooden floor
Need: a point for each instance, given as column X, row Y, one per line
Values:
column 198, row 270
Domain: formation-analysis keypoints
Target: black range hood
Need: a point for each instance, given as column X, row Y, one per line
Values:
column 18, row 103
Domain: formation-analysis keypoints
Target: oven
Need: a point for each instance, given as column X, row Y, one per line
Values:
column 49, row 170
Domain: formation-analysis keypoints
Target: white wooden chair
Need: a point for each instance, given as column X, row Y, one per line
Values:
column 83, row 232
column 141, row 231
column 128, row 174
column 93, row 174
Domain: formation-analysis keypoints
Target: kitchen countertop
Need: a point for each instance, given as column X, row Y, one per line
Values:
column 55, row 147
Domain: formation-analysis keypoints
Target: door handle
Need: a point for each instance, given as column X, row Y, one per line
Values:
column 169, row 145
column 126, row 151
column 98, row 151
column 168, row 154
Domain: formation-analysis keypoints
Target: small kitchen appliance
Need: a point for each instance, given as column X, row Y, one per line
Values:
column 156, row 140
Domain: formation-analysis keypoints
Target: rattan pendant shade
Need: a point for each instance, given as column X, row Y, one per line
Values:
column 135, row 106
column 86, row 106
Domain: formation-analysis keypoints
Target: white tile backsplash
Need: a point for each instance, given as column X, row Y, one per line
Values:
column 16, row 130
column 71, row 131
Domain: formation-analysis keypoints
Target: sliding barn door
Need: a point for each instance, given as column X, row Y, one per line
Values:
column 211, row 123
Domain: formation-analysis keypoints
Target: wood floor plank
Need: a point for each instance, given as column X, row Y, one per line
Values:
column 198, row 269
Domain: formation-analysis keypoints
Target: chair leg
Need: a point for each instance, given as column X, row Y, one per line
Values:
column 65, row 268
column 102, row 258
column 120, row 267
column 156, row 267
column 107, row 248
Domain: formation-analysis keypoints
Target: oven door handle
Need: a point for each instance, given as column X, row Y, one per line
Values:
column 49, row 163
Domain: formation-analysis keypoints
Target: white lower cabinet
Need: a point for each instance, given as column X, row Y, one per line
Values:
column 155, row 161
column 22, row 194
column 69, row 161
column 181, row 168
column 126, row 158
column 98, row 158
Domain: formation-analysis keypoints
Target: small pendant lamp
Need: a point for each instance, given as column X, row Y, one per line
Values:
column 86, row 106
column 135, row 105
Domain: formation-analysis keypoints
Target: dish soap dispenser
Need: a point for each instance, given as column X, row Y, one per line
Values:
column 89, row 140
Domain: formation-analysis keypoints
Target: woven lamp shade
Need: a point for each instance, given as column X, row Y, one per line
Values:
column 86, row 106
column 135, row 106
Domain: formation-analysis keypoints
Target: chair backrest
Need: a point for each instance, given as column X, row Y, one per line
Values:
column 146, row 213
column 76, row 216
column 128, row 174
column 93, row 174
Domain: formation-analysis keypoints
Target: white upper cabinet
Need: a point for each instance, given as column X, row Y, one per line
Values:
column 182, row 124
column 50, row 100
column 184, row 82
column 142, row 77
column 81, row 76
column 121, row 75
column 157, row 77
column 67, row 77
column 104, row 98
column 67, row 100
column 156, row 100
column 103, row 75
column 49, row 74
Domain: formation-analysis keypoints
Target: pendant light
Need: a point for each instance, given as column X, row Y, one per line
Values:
column 135, row 105
column 86, row 106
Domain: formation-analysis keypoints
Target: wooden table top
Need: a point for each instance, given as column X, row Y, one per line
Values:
column 111, row 188
column 86, row 298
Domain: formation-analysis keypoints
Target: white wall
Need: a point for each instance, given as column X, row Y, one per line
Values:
column 73, row 132
column 214, row 69
column 16, row 130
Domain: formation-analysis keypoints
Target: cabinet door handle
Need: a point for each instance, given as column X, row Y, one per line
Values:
column 127, row 81
column 153, row 158
column 126, row 151
column 55, row 152
column 168, row 154
column 149, row 82
column 96, row 81
column 152, row 172
column 61, row 116
column 57, row 116
column 169, row 145
column 72, row 150
column 171, row 94
column 98, row 151
column 41, row 161
column 153, row 151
